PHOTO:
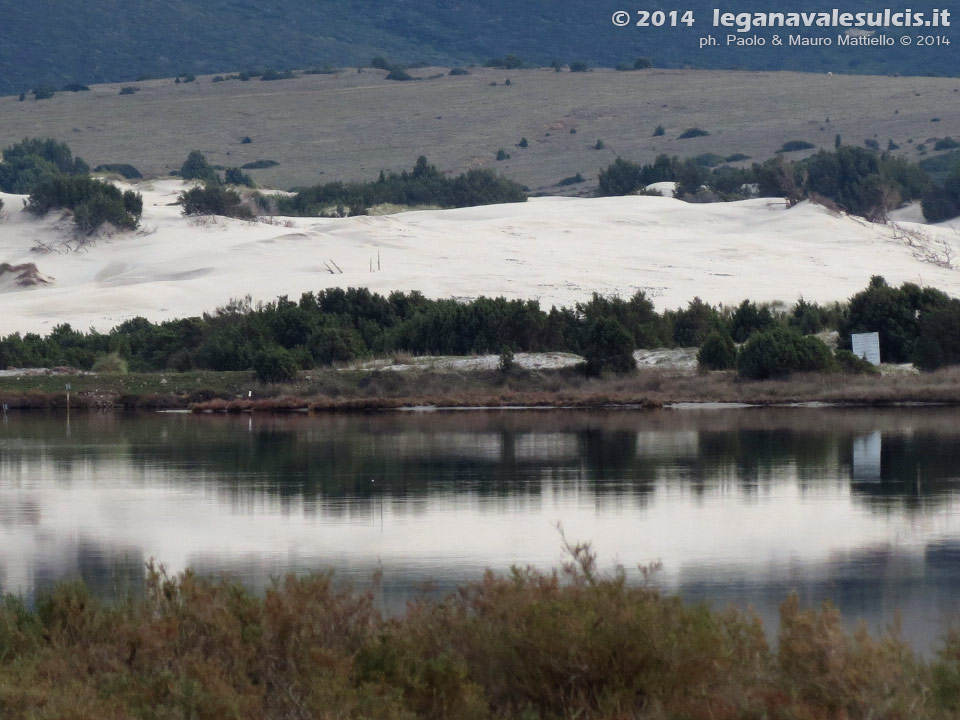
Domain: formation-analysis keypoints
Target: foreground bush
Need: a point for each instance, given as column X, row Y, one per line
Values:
column 550, row 645
column 780, row 351
column 717, row 353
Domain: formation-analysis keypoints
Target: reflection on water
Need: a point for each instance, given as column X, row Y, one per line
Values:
column 739, row 505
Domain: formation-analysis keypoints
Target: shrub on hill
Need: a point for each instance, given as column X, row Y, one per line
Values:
column 781, row 351
column 717, row 352
column 692, row 133
column 43, row 92
column 196, row 167
column 795, row 146
column 128, row 172
column 75, row 87
column 259, row 165
column 130, row 90
column 642, row 63
column 32, row 161
column 579, row 67
column 425, row 185
column 93, row 202
column 947, row 143
column 214, row 200
column 235, row 176
column 748, row 319
column 399, row 74
column 459, row 71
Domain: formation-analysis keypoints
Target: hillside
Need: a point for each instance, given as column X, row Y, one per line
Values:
column 49, row 41
column 559, row 250
column 350, row 125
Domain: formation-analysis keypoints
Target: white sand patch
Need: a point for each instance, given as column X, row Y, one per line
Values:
column 557, row 250
column 526, row 361
column 666, row 189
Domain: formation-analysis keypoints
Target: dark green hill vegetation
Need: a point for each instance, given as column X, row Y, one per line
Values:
column 51, row 43
column 424, row 185
column 529, row 644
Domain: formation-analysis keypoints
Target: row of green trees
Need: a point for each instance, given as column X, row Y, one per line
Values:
column 335, row 325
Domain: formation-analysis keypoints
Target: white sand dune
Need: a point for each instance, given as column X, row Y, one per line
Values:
column 557, row 250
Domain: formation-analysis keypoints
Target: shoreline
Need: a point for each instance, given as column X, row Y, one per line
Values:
column 428, row 390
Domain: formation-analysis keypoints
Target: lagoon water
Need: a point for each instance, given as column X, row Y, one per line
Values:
column 742, row 506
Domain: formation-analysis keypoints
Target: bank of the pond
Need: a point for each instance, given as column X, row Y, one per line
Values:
column 526, row 645
column 327, row 390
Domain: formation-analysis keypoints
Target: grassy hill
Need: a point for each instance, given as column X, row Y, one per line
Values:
column 350, row 125
column 50, row 41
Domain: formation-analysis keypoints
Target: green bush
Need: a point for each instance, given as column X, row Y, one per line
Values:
column 747, row 319
column 894, row 313
column 32, row 161
column 330, row 345
column 780, row 351
column 110, row 363
column 947, row 143
column 459, row 71
column 275, row 365
column 659, row 131
column 196, row 167
column 214, row 200
column 608, row 348
column 938, row 343
column 692, row 133
column 850, row 364
column 129, row 90
column 259, row 165
column 235, row 176
column 93, row 202
column 275, row 75
column 579, row 67
column 642, row 63
column 795, row 146
column 717, row 352
column 502, row 154
column 128, row 172
column 399, row 74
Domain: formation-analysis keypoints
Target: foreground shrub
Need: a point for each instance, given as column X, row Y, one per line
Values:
column 573, row 643
column 692, row 133
column 717, row 353
column 608, row 348
column 93, row 202
column 780, row 351
column 274, row 365
column 938, row 342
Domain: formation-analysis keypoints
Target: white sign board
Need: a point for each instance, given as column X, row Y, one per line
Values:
column 866, row 346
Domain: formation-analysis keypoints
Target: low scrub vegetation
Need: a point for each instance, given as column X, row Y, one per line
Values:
column 30, row 162
column 424, row 185
column 93, row 202
column 214, row 200
column 530, row 644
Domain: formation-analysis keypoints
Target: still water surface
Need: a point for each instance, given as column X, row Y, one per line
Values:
column 743, row 506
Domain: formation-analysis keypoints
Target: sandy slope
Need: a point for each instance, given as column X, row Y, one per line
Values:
column 556, row 249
